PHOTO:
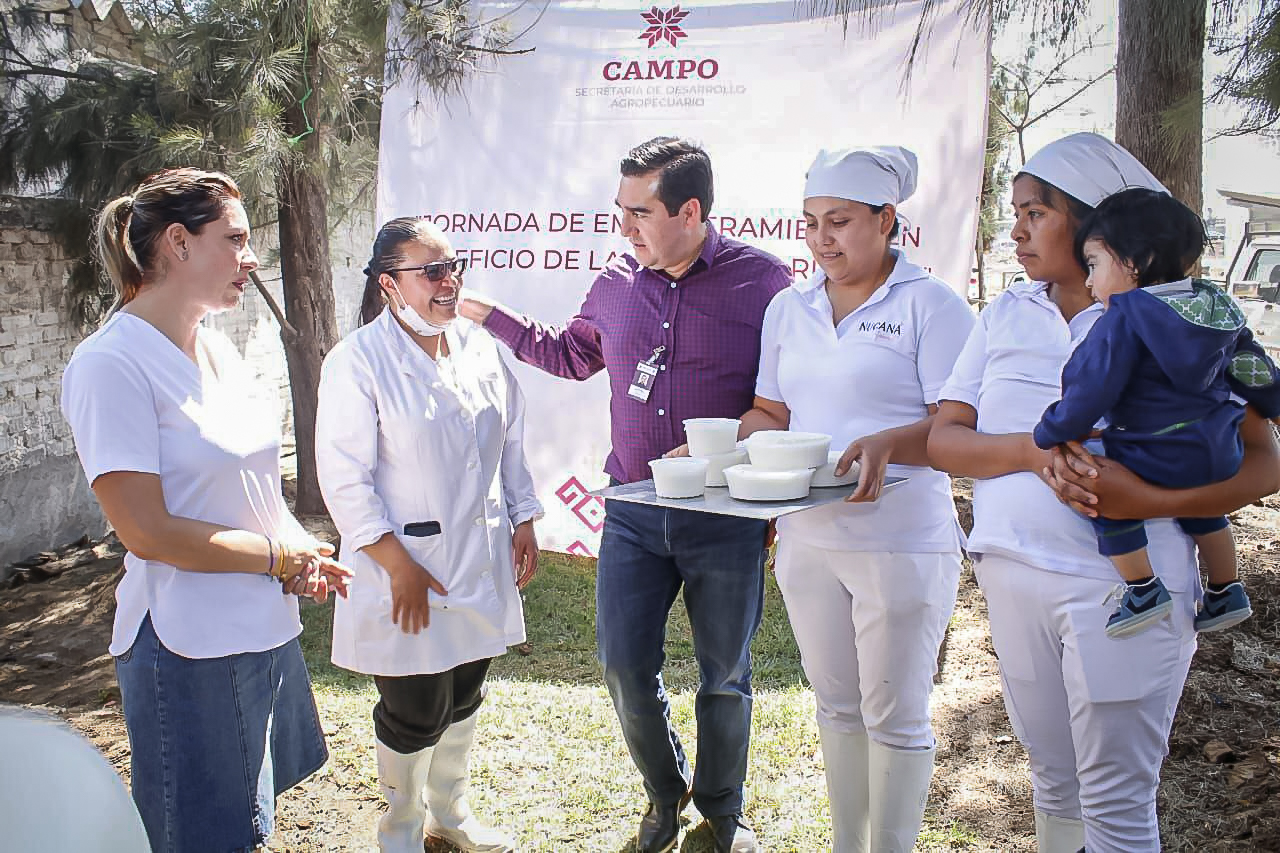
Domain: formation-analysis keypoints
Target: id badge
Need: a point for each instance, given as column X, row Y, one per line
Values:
column 642, row 381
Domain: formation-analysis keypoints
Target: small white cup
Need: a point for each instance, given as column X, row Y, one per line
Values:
column 711, row 436
column 716, row 465
column 681, row 477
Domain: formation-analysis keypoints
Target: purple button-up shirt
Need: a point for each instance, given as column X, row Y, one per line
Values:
column 708, row 321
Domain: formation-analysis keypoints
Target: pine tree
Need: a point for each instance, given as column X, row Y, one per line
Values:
column 283, row 95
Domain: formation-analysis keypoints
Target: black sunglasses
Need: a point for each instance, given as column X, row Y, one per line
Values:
column 437, row 270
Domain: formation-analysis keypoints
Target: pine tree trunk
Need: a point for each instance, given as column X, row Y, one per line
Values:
column 308, row 295
column 1160, row 69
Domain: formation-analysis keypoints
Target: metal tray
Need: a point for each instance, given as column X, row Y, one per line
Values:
column 716, row 499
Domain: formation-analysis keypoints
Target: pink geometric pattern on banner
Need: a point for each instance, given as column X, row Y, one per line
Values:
column 664, row 24
column 589, row 509
column 578, row 549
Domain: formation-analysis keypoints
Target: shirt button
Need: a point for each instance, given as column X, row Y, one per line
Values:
column 479, row 521
column 471, row 466
column 673, row 285
column 662, row 367
column 662, row 411
column 666, row 325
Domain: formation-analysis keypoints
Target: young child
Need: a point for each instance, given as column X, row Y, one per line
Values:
column 1161, row 365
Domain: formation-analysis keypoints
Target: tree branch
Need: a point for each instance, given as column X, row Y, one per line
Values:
column 1077, row 93
column 1007, row 120
column 287, row 331
column 46, row 71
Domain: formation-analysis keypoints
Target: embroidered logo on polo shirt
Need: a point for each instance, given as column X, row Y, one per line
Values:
column 882, row 329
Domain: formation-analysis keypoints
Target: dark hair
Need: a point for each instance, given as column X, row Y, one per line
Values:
column 388, row 252
column 1056, row 199
column 878, row 209
column 684, row 171
column 130, row 226
column 1159, row 235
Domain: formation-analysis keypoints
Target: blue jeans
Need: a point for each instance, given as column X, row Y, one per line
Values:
column 215, row 740
column 646, row 554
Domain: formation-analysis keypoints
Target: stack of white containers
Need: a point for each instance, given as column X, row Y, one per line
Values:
column 713, row 447
column 783, row 464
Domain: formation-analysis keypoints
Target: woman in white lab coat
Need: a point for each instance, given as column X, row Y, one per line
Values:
column 421, row 462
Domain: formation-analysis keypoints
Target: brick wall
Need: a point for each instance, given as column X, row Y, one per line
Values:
column 43, row 500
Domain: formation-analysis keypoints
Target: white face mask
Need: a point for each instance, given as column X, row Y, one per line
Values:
column 417, row 324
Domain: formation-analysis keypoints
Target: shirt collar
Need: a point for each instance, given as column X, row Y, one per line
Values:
column 1029, row 290
column 706, row 258
column 903, row 271
column 1183, row 287
column 1038, row 292
column 710, row 246
column 411, row 355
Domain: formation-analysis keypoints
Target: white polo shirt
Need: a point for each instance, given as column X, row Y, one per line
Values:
column 135, row 402
column 879, row 368
column 1010, row 371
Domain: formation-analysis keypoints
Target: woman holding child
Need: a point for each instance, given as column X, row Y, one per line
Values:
column 1093, row 712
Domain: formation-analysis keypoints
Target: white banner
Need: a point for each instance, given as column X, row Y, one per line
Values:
column 521, row 170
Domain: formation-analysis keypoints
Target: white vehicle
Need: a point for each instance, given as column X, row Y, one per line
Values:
column 1253, row 276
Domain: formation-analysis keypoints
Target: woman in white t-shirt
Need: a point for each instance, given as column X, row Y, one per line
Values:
column 859, row 352
column 1093, row 713
column 181, row 446
column 420, row 448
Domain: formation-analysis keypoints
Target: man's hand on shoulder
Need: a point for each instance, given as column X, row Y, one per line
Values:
column 476, row 307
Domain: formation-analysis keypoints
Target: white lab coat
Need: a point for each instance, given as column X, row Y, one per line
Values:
column 400, row 439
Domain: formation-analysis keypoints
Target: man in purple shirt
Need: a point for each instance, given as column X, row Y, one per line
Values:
column 688, row 305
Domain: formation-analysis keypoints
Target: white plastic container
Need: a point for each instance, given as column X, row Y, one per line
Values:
column 782, row 450
column 682, row 477
column 716, row 465
column 711, row 436
column 826, row 475
column 749, row 483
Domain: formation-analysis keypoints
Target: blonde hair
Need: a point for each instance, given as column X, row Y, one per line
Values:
column 130, row 226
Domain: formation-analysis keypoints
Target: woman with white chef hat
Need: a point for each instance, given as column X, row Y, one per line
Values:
column 1093, row 713
column 419, row 448
column 859, row 351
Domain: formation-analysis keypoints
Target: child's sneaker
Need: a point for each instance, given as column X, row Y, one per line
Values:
column 1140, row 606
column 1224, row 609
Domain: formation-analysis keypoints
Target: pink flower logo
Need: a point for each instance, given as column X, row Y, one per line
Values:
column 664, row 25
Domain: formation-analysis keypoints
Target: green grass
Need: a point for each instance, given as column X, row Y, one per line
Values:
column 551, row 765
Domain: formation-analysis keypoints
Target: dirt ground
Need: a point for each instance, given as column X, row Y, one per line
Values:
column 1220, row 787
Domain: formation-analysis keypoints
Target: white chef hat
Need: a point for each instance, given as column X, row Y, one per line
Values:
column 884, row 174
column 1090, row 167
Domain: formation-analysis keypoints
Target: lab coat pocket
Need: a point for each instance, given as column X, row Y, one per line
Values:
column 429, row 552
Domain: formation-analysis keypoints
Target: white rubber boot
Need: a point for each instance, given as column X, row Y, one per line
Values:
column 899, row 780
column 401, row 779
column 451, row 817
column 1058, row 834
column 845, row 759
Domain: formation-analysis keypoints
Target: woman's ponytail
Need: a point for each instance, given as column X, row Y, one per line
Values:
column 114, row 252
